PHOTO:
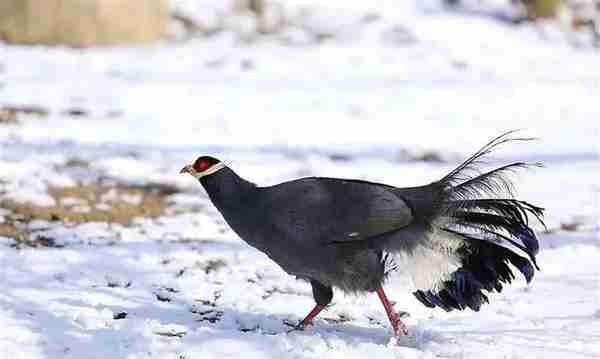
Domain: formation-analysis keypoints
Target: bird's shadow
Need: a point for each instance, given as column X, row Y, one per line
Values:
column 351, row 333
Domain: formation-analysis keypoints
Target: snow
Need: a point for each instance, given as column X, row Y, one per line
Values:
column 61, row 301
column 366, row 103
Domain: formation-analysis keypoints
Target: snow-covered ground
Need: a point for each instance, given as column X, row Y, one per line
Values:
column 369, row 102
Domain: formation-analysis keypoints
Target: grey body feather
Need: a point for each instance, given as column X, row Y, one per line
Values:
column 302, row 225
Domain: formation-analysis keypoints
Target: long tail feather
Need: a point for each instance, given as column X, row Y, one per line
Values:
column 507, row 207
column 472, row 163
column 484, row 201
column 491, row 183
column 479, row 208
column 493, row 224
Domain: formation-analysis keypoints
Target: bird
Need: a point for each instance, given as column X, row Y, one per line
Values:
column 457, row 237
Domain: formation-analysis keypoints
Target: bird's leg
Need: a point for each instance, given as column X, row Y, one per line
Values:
column 309, row 318
column 323, row 295
column 399, row 327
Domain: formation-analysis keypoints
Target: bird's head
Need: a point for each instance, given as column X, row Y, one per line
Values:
column 203, row 166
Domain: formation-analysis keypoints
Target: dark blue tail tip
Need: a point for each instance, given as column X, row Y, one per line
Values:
column 529, row 240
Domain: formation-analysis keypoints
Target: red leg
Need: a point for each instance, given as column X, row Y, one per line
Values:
column 399, row 327
column 309, row 318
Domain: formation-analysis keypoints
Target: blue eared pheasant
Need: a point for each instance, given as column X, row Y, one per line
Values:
column 458, row 237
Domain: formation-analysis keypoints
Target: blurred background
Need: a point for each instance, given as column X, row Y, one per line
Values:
column 102, row 102
column 288, row 87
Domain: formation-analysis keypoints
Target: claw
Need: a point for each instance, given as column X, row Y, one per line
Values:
column 296, row 327
column 400, row 328
column 308, row 320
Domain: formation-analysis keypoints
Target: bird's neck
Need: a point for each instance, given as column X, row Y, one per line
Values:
column 227, row 190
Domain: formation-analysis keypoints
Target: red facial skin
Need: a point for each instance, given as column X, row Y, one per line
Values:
column 201, row 165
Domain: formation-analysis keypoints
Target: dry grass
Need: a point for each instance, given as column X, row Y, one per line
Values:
column 95, row 203
column 23, row 239
column 92, row 203
column 81, row 23
column 541, row 9
column 11, row 231
column 117, row 203
column 10, row 114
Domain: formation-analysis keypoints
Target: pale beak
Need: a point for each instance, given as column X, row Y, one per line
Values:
column 187, row 169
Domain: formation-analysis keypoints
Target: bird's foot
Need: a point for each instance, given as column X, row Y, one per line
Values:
column 400, row 329
column 297, row 326
column 308, row 320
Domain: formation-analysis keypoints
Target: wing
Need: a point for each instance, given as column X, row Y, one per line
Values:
column 334, row 210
